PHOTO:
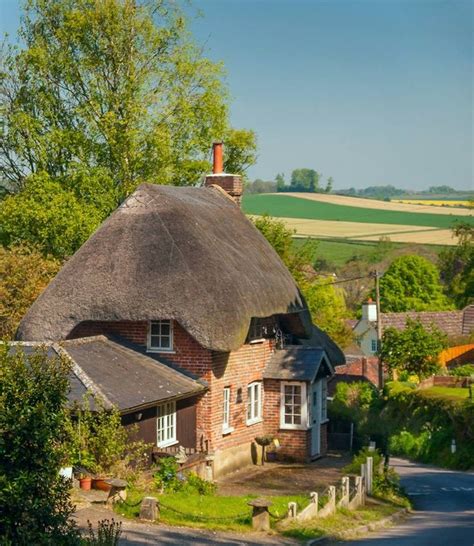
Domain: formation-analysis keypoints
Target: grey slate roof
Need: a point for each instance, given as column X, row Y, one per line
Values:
column 321, row 340
column 118, row 375
column 182, row 253
column 297, row 363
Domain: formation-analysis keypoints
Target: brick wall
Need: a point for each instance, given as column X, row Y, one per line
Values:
column 294, row 444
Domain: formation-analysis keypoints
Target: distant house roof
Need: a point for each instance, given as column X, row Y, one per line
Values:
column 453, row 323
column 297, row 363
column 120, row 376
column 450, row 322
column 182, row 253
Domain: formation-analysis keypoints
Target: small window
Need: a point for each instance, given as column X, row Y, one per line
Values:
column 254, row 403
column 324, row 399
column 374, row 345
column 293, row 405
column 166, row 424
column 160, row 336
column 257, row 331
column 226, row 411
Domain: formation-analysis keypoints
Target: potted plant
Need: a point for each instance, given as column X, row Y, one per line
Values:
column 264, row 441
column 85, row 482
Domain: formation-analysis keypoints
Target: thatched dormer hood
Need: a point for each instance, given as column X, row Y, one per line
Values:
column 187, row 254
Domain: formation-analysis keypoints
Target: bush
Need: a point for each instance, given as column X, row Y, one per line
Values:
column 99, row 442
column 166, row 477
column 463, row 371
column 35, row 507
column 108, row 533
column 196, row 484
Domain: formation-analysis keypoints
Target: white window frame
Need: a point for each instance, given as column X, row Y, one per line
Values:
column 226, row 428
column 304, row 406
column 166, row 424
column 254, row 403
column 158, row 348
column 324, row 400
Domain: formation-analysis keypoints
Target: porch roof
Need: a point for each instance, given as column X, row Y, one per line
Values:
column 297, row 363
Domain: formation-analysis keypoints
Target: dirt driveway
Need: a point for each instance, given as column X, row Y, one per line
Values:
column 285, row 479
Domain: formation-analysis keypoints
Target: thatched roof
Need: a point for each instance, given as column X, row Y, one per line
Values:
column 187, row 254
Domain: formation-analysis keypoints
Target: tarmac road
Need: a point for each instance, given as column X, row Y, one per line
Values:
column 444, row 509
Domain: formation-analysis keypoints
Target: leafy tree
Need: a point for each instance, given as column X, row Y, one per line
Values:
column 411, row 283
column 457, row 266
column 24, row 273
column 441, row 189
column 414, row 349
column 112, row 92
column 34, row 499
column 325, row 302
column 329, row 184
column 305, row 180
column 260, row 186
column 280, row 182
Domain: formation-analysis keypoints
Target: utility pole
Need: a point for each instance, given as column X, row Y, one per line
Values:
column 379, row 327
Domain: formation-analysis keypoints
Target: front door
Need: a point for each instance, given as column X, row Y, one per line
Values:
column 315, row 418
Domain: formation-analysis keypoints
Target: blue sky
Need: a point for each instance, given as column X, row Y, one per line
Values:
column 368, row 91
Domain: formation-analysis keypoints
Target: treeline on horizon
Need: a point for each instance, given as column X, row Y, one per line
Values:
column 311, row 181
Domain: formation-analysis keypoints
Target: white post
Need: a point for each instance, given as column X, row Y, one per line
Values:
column 370, row 471
column 453, row 446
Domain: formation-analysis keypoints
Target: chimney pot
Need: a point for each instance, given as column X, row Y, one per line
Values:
column 218, row 158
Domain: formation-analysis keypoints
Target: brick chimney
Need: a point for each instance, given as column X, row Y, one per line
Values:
column 231, row 183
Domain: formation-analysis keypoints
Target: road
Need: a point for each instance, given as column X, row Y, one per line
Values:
column 444, row 509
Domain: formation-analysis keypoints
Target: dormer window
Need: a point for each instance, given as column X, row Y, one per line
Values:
column 160, row 336
column 257, row 331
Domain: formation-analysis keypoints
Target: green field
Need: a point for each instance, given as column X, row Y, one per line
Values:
column 339, row 251
column 286, row 206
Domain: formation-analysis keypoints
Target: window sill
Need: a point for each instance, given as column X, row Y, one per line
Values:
column 255, row 341
column 294, row 427
column 324, row 421
column 253, row 421
column 169, row 443
column 227, row 430
column 165, row 351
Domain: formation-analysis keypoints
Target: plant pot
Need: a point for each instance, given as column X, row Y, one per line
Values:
column 85, row 483
column 99, row 483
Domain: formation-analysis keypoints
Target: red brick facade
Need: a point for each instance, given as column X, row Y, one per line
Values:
column 235, row 370
column 361, row 366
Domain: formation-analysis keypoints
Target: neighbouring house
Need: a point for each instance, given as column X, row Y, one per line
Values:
column 453, row 323
column 178, row 311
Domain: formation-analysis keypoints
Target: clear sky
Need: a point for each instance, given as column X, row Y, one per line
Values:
column 370, row 92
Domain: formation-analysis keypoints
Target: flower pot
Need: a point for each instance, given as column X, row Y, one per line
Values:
column 85, row 483
column 99, row 483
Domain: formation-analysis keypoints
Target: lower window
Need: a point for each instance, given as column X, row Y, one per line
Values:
column 254, row 403
column 166, row 424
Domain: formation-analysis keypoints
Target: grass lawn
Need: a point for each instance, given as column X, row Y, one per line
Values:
column 341, row 522
column 295, row 207
column 207, row 511
column 447, row 393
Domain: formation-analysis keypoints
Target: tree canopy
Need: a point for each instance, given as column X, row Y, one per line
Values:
column 411, row 283
column 35, row 507
column 414, row 350
column 99, row 97
column 325, row 301
column 457, row 266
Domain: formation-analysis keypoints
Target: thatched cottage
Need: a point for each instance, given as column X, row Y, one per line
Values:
column 178, row 311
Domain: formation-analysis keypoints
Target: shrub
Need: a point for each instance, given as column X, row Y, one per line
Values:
column 100, row 443
column 35, row 507
column 199, row 485
column 166, row 477
column 463, row 371
column 108, row 533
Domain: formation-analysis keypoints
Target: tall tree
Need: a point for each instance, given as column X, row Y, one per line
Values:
column 325, row 302
column 305, row 180
column 411, row 283
column 35, row 506
column 111, row 90
column 280, row 182
column 414, row 349
column 457, row 266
